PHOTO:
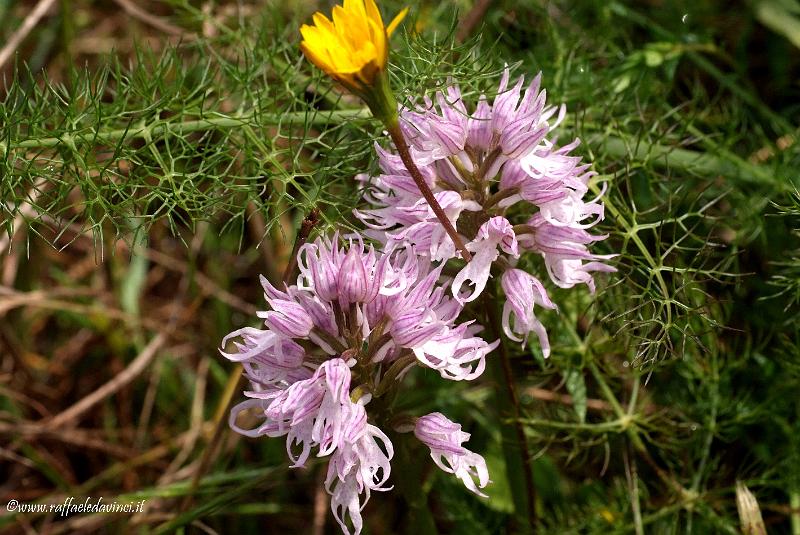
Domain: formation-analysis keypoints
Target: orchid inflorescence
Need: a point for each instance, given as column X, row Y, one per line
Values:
column 479, row 166
column 339, row 340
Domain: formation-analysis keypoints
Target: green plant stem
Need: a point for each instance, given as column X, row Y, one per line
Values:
column 518, row 460
column 409, row 482
column 220, row 420
column 629, row 426
column 631, row 232
column 722, row 164
column 794, row 503
column 405, row 154
column 611, row 426
column 146, row 131
column 616, row 407
column 712, row 379
column 216, row 502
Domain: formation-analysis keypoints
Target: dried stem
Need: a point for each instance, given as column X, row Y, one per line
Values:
column 114, row 385
column 474, row 16
column 158, row 23
column 22, row 32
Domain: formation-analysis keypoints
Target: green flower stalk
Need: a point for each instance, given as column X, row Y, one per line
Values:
column 353, row 50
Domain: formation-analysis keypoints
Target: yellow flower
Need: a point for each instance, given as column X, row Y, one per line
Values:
column 352, row 49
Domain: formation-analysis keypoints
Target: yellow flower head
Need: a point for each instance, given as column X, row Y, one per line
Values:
column 352, row 49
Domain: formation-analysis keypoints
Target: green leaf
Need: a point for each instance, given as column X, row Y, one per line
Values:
column 653, row 58
column 622, row 83
column 499, row 490
column 134, row 280
column 780, row 16
column 576, row 386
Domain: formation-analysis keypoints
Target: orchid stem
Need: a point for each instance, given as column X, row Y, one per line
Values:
column 411, row 481
column 308, row 224
column 405, row 154
column 517, row 459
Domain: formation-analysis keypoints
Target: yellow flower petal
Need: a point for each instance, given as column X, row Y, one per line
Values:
column 379, row 42
column 352, row 42
column 396, row 21
column 322, row 22
column 373, row 12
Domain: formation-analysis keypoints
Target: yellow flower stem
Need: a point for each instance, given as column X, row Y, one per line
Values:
column 380, row 99
column 393, row 126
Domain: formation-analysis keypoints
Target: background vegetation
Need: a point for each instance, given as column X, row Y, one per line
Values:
column 157, row 156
